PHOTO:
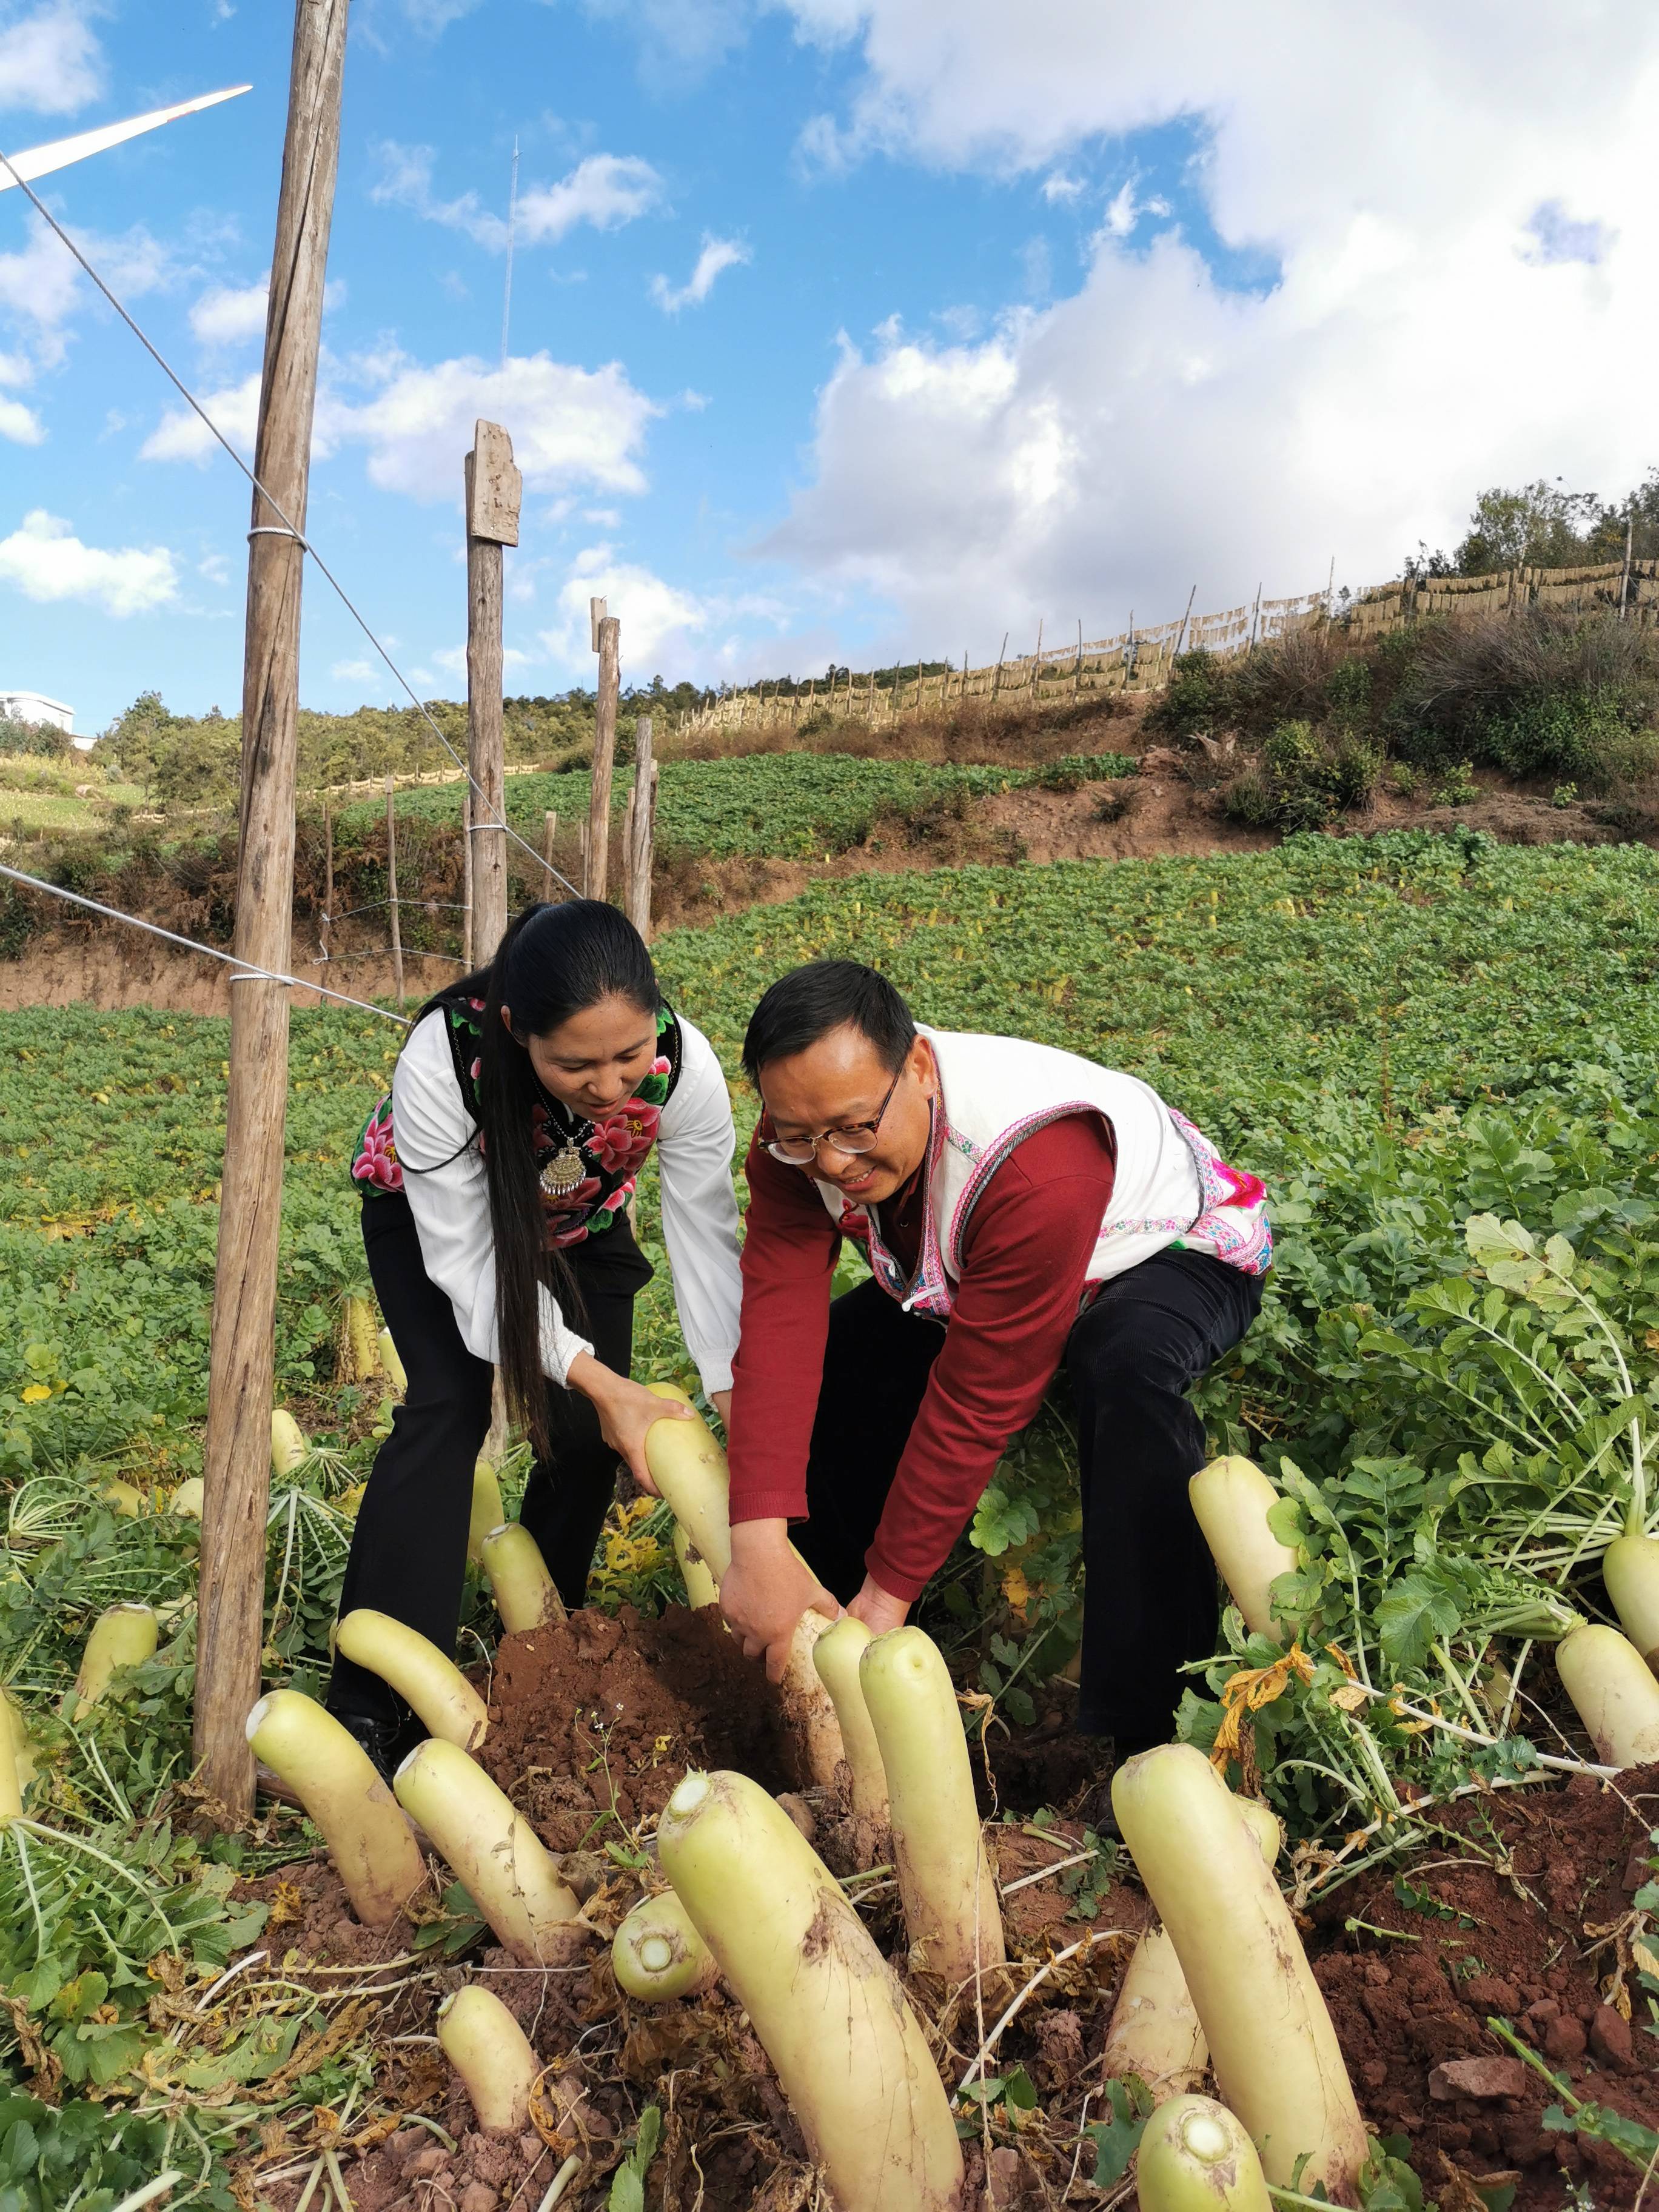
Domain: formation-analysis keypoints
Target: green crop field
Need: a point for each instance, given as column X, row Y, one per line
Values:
column 1415, row 1039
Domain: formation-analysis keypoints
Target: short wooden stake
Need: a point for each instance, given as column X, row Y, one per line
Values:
column 642, row 809
column 549, row 831
column 328, row 886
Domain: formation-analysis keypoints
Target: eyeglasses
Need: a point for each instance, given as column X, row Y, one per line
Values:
column 860, row 1137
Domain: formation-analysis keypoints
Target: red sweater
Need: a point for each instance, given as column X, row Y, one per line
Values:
column 1024, row 1254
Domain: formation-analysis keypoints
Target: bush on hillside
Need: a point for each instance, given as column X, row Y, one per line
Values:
column 1304, row 778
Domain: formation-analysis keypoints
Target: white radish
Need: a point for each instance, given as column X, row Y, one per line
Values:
column 124, row 1636
column 657, row 1953
column 1274, row 2051
column 494, row 1851
column 344, row 1793
column 951, row 1914
column 700, row 1587
column 423, row 1677
column 1630, row 1568
column 491, row 2053
column 836, row 1655
column 392, row 1365
column 690, row 1470
column 185, row 1503
column 1232, row 1499
column 487, row 1510
column 523, row 1589
column 288, row 1443
column 849, row 2051
column 1195, row 2156
column 1154, row 2032
column 1613, row 1692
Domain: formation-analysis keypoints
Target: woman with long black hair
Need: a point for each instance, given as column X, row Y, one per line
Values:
column 496, row 1174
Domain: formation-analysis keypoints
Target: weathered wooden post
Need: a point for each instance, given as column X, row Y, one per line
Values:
column 236, row 1463
column 607, row 643
column 391, row 890
column 549, row 831
column 328, row 889
column 494, row 488
column 641, row 809
column 468, row 947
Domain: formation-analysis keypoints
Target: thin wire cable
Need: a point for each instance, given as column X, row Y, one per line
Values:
column 248, row 970
column 287, row 528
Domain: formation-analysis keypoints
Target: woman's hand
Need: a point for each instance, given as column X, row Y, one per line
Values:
column 879, row 1609
column 626, row 1410
column 766, row 1590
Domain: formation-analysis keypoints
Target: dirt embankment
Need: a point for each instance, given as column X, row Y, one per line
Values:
column 1172, row 807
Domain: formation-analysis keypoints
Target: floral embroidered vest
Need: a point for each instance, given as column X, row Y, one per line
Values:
column 589, row 1170
column 1171, row 1187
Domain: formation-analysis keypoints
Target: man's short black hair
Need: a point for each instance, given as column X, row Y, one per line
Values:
column 809, row 1002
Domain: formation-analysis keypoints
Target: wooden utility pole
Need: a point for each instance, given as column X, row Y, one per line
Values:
column 469, row 953
column 391, row 890
column 494, row 487
column 607, row 643
column 641, row 813
column 236, row 1465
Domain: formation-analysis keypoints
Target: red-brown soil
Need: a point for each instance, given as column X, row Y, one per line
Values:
column 1523, row 1912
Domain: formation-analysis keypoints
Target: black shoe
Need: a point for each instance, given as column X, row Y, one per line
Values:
column 387, row 1742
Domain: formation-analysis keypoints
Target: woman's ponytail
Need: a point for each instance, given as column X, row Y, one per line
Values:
column 553, row 961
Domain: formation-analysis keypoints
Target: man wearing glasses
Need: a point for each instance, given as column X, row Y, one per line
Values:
column 1021, row 1209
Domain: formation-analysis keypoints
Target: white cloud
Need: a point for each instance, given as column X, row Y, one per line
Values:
column 231, row 313
column 734, row 635
column 47, row 561
column 1122, row 214
column 50, row 61
column 1060, row 189
column 606, row 191
column 570, row 426
column 359, row 671
column 675, row 42
column 21, row 424
column 41, row 287
column 718, row 254
column 405, row 181
column 181, row 435
column 1439, row 322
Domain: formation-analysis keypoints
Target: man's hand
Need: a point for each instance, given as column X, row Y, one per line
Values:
column 766, row 1590
column 626, row 1410
column 879, row 1609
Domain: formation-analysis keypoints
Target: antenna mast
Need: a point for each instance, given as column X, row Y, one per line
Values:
column 511, row 217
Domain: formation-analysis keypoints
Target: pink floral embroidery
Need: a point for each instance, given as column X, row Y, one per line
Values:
column 622, row 1142
column 569, row 1236
column 574, row 1201
column 1242, row 1187
column 377, row 1158
column 475, row 1070
column 617, row 1199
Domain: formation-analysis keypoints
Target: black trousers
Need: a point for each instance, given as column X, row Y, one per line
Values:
column 1149, row 1583
column 409, row 1549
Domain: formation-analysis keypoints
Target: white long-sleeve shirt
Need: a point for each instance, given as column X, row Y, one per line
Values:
column 451, row 1204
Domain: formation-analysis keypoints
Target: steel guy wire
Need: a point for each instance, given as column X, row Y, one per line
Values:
column 288, row 529
column 247, row 970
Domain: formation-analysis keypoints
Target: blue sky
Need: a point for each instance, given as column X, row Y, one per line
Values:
column 1005, row 318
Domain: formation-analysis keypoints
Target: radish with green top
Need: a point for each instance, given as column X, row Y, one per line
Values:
column 658, row 1954
column 838, row 1655
column 492, row 1848
column 1232, row 1499
column 523, row 1589
column 185, row 1503
column 828, row 2008
column 1195, row 2156
column 950, row 1911
column 124, row 1636
column 1613, row 1692
column 342, row 1791
column 1271, row 2040
column 491, row 2053
column 690, row 1470
column 423, row 1678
